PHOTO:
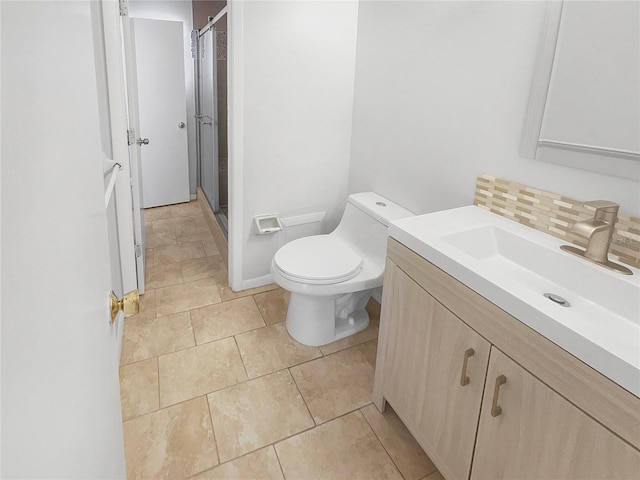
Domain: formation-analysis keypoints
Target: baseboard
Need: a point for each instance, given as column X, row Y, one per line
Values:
column 257, row 282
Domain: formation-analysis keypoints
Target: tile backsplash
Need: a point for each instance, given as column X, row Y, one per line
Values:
column 554, row 214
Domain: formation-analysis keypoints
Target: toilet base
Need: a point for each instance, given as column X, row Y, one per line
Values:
column 316, row 321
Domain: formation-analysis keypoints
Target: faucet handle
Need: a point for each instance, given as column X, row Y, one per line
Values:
column 605, row 210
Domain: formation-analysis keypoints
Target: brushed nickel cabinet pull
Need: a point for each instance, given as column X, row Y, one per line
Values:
column 464, row 380
column 495, row 408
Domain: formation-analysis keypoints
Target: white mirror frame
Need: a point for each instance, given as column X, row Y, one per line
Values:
column 619, row 163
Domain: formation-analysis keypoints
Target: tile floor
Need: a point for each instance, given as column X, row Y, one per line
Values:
column 213, row 387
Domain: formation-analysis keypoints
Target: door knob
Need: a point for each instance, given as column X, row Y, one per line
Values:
column 181, row 125
column 142, row 141
column 129, row 303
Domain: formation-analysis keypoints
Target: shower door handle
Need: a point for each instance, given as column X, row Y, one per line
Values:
column 200, row 119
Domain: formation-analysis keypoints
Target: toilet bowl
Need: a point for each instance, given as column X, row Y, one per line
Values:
column 331, row 277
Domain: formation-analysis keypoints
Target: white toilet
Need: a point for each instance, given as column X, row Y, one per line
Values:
column 331, row 277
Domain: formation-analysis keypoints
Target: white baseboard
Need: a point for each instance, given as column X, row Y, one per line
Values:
column 193, row 196
column 257, row 282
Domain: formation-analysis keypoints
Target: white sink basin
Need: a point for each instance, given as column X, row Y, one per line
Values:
column 513, row 266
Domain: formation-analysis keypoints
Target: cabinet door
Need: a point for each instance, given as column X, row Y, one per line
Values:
column 539, row 434
column 422, row 375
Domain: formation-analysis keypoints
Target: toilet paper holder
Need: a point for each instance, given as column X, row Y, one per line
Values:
column 266, row 224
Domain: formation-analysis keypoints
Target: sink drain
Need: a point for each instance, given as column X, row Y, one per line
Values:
column 557, row 299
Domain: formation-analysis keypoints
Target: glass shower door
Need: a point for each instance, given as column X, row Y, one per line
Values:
column 208, row 127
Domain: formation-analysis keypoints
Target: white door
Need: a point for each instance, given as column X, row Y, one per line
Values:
column 60, row 392
column 159, row 54
column 135, row 143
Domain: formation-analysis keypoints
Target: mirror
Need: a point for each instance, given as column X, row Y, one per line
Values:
column 584, row 105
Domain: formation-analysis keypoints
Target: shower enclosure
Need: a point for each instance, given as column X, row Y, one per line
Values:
column 211, row 115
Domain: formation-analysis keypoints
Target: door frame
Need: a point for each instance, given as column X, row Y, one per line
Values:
column 235, row 96
column 111, row 11
column 129, row 54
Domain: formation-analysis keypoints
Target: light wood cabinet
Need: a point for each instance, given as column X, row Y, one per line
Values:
column 429, row 352
column 539, row 434
column 559, row 417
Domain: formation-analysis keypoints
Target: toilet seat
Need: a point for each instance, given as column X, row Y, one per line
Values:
column 318, row 260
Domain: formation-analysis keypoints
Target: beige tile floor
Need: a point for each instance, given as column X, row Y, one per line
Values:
column 213, row 387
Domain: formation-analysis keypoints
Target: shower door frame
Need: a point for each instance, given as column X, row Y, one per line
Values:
column 214, row 202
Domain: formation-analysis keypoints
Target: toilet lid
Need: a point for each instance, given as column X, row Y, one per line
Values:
column 319, row 259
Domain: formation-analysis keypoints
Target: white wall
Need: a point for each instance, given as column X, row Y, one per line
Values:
column 177, row 10
column 295, row 62
column 441, row 91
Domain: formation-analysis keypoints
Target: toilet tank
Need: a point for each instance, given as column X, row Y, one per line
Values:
column 365, row 221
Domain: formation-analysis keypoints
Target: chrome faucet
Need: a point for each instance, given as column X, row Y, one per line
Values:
column 598, row 231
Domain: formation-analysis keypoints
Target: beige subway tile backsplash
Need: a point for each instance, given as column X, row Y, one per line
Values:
column 554, row 214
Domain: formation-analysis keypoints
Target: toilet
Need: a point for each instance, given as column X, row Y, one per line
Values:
column 331, row 277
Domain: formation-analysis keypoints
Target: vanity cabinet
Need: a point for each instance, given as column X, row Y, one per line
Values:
column 486, row 396
column 431, row 354
column 539, row 434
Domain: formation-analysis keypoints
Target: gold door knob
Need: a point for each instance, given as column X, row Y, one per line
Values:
column 129, row 303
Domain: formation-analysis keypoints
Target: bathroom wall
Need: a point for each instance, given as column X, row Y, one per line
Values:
column 177, row 10
column 441, row 91
column 292, row 73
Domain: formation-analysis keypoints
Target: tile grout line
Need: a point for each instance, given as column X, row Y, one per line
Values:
column 192, row 308
column 278, row 459
column 267, row 446
column 158, row 374
column 193, row 330
column 213, row 430
column 166, row 408
column 302, row 396
column 272, row 443
column 237, row 382
column 382, row 443
column 306, row 430
column 241, row 359
column 231, row 335
column 304, row 362
column 259, row 310
column 196, row 344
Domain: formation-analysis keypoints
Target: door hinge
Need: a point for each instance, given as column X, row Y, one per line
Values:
column 124, row 8
column 138, row 250
column 131, row 137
